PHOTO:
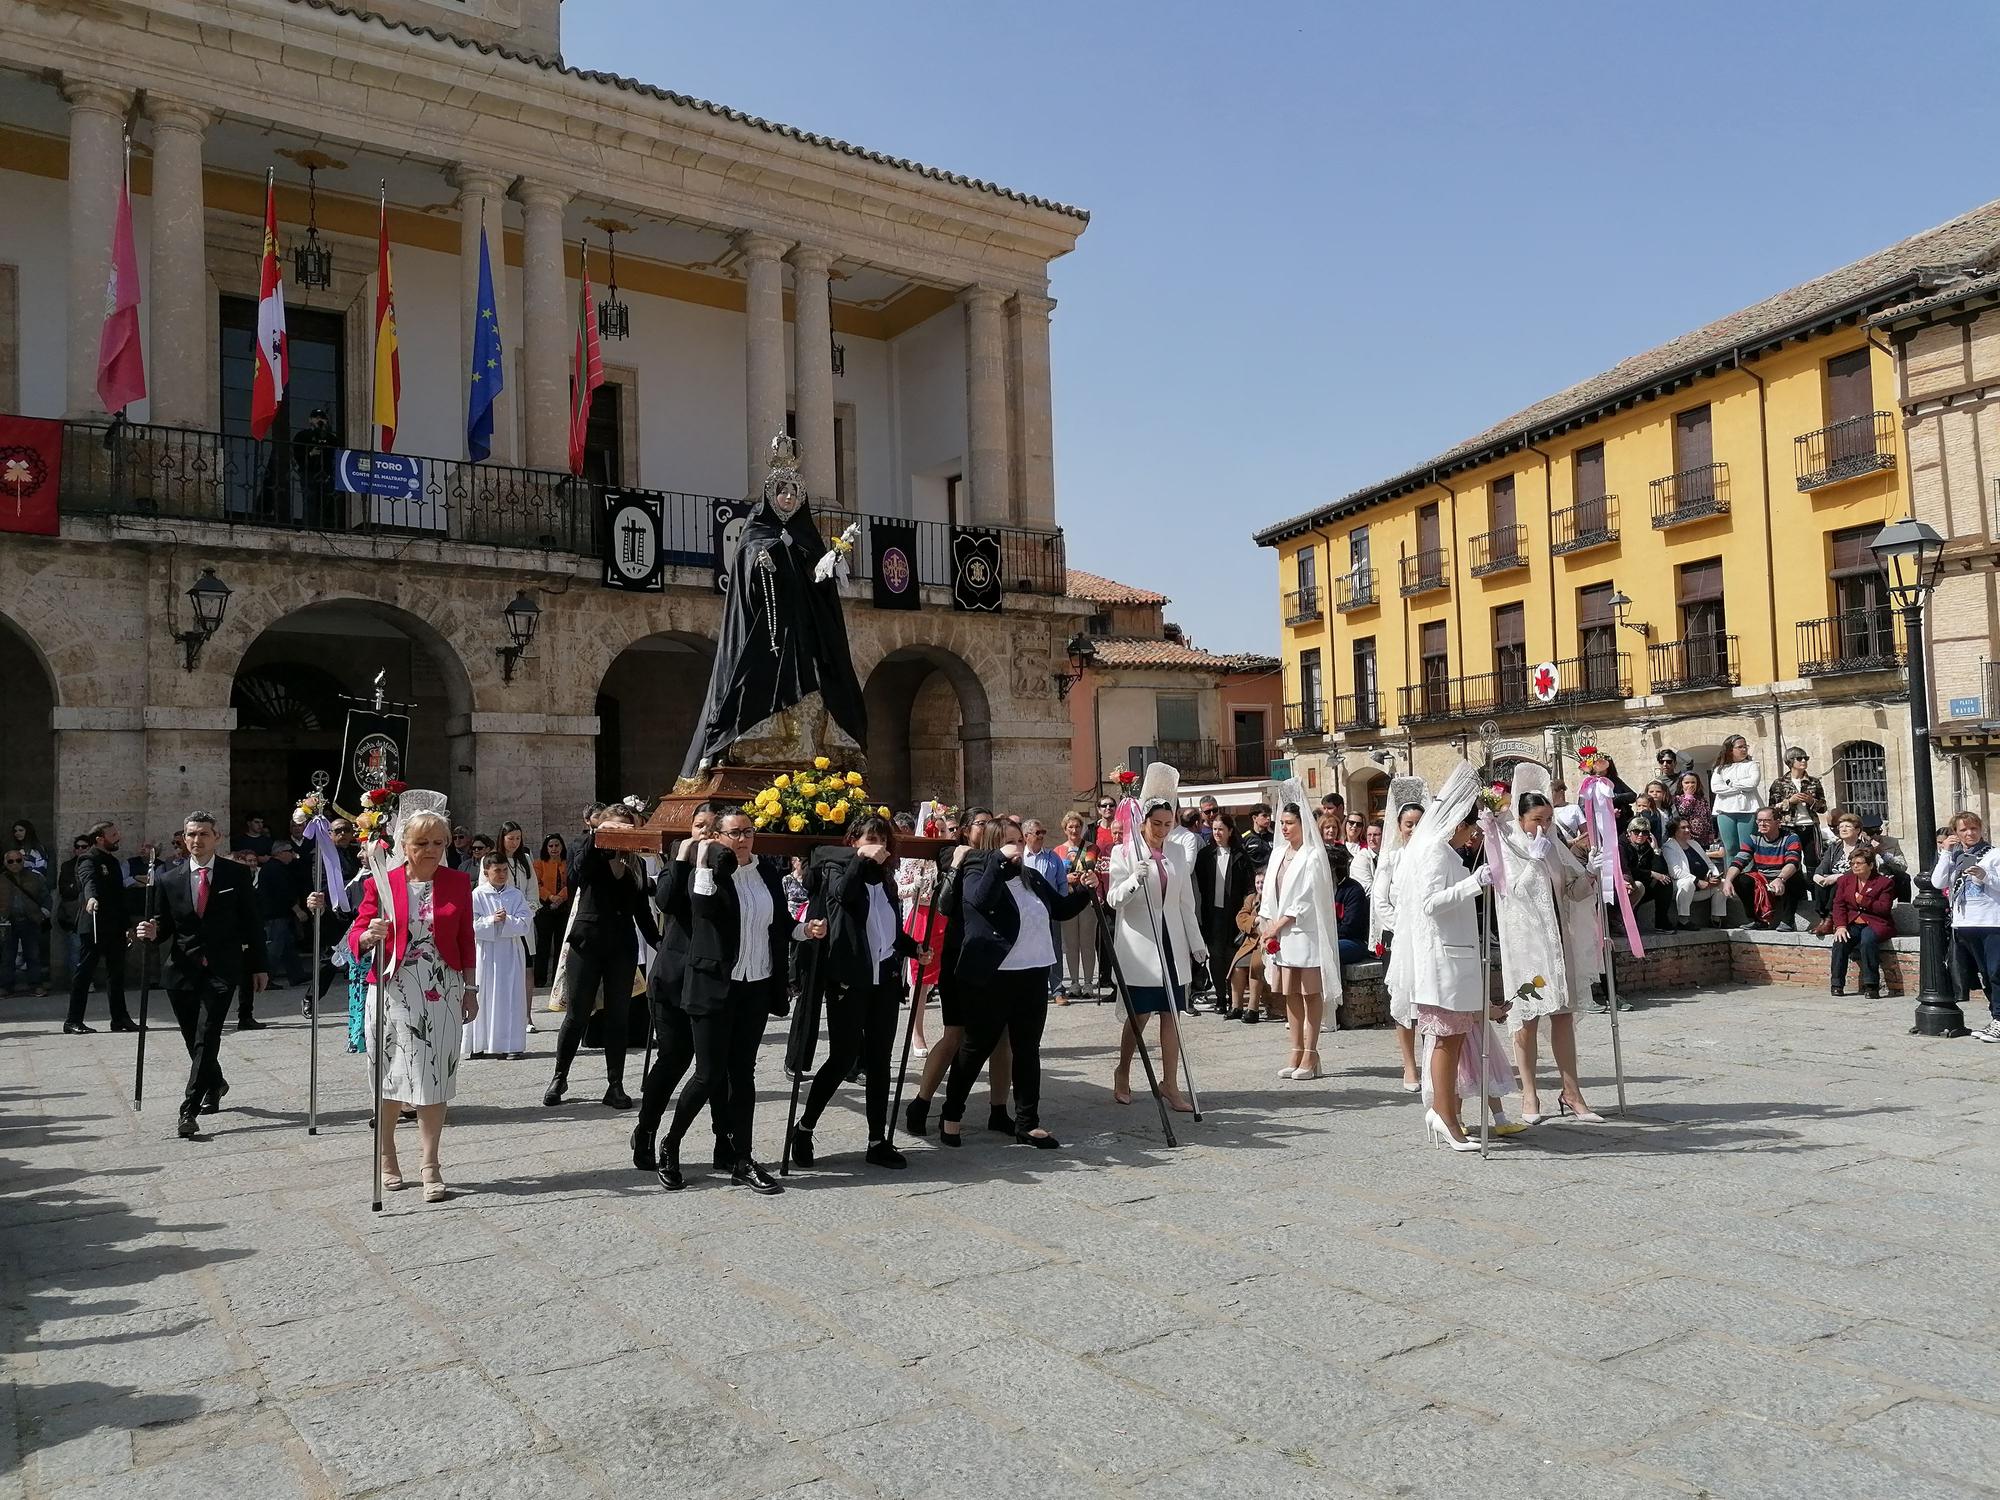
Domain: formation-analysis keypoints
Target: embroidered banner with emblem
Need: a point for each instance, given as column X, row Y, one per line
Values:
column 30, row 471
column 975, row 569
column 892, row 550
column 634, row 559
column 373, row 751
column 726, row 520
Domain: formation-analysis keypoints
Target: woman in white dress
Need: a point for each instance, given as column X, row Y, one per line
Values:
column 1157, row 941
column 1551, row 940
column 1297, row 914
column 1382, row 935
column 500, row 918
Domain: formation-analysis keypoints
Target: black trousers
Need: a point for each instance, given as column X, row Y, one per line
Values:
column 725, row 1065
column 861, row 1026
column 588, row 971
column 201, row 1012
column 1015, row 1004
column 549, row 923
column 673, row 1054
column 112, row 953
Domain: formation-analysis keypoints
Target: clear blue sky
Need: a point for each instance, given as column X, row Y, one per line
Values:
column 1329, row 240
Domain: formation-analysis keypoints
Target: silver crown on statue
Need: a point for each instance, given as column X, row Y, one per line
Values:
column 784, row 489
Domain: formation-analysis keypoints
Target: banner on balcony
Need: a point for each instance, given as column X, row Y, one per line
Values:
column 373, row 751
column 726, row 520
column 892, row 549
column 634, row 559
column 30, row 472
column 392, row 489
column 975, row 569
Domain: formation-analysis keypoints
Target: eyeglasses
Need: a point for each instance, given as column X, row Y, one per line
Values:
column 736, row 833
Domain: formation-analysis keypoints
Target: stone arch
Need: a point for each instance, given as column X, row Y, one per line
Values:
column 584, row 636
column 648, row 706
column 1367, row 791
column 930, row 728
column 28, row 738
column 348, row 639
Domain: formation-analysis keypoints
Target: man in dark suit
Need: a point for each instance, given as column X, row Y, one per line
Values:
column 207, row 912
column 738, row 930
column 104, row 923
column 611, row 912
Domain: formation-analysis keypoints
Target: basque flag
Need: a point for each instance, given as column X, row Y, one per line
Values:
column 274, row 359
column 488, row 377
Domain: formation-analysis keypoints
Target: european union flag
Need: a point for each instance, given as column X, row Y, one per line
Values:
column 487, row 379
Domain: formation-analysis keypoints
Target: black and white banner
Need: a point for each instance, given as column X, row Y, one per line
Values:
column 373, row 752
column 726, row 520
column 975, row 569
column 634, row 559
column 892, row 549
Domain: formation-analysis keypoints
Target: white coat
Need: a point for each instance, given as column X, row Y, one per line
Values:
column 1736, row 788
column 1139, row 907
column 1291, row 891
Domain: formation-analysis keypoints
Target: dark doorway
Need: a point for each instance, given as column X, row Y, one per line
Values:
column 262, row 482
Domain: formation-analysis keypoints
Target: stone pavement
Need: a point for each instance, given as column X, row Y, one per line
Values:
column 1775, row 1278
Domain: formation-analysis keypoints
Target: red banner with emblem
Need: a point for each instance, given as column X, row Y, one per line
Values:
column 30, row 471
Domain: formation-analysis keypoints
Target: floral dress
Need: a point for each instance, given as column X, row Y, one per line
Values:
column 424, row 1001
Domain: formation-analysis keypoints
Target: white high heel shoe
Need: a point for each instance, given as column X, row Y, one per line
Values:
column 1435, row 1127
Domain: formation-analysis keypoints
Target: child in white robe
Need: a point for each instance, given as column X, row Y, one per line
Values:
column 500, row 919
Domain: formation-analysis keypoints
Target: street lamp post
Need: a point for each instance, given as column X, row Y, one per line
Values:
column 1912, row 554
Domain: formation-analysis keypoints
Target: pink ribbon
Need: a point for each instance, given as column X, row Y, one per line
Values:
column 1600, row 819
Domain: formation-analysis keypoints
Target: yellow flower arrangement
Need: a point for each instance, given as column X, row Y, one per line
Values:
column 820, row 762
column 784, row 780
column 802, row 802
column 796, row 822
column 852, row 778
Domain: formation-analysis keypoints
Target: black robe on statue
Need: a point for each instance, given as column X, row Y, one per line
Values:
column 782, row 638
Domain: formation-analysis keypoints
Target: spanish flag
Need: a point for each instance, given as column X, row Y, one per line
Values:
column 274, row 359
column 388, row 366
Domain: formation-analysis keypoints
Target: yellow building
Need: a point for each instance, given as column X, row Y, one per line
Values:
column 1684, row 537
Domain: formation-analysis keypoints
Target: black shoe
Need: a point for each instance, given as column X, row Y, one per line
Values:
column 1836, row 991
column 1757, row 926
column 617, row 1098
column 724, row 1158
column 249, row 1023
column 643, row 1156
column 1040, row 1142
column 916, row 1116
column 1234, row 1013
column 670, row 1169
column 554, row 1095
column 949, row 1138
column 124, row 1023
column 802, row 1146
column 1871, row 992
column 749, row 1174
column 188, row 1129
column 999, row 1120
column 77, row 1028
column 212, row 1100
column 1252, row 1017
column 882, row 1154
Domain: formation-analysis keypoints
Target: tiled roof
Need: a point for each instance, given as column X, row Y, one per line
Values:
column 1139, row 651
column 1974, row 281
column 1909, row 268
column 688, row 101
column 1100, row 590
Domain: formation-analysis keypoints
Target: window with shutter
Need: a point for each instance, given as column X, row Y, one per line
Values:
column 1510, row 652
column 1597, row 637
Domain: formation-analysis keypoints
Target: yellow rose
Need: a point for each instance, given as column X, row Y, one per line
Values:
column 820, row 808
column 820, row 762
column 763, row 822
column 1539, row 981
column 839, row 813
column 783, row 781
column 796, row 822
column 882, row 812
column 854, row 778
column 807, row 787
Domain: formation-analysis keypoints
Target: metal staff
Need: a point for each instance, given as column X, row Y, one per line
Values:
column 1119, row 990
column 1485, row 1004
column 917, row 1002
column 385, row 901
column 1610, row 959
column 312, row 997
column 811, row 1000
column 145, row 986
column 1160, row 938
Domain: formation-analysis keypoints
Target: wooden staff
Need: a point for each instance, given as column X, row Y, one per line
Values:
column 145, row 987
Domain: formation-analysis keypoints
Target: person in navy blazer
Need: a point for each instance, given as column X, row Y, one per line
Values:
column 206, row 910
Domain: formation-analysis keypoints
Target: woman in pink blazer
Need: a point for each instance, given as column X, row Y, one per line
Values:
column 423, row 986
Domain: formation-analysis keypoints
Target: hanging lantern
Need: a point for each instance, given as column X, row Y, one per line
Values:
column 312, row 262
column 614, row 318
column 837, row 350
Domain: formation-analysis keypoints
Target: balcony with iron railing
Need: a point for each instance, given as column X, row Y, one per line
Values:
column 1355, row 589
column 180, row 474
column 1247, row 758
column 1196, row 760
column 1588, row 523
column 1426, row 571
column 1355, row 712
column 1305, row 719
column 1845, row 450
column 1700, row 661
column 1691, row 495
column 1302, row 606
column 1857, row 640
column 1499, row 550
column 1596, row 677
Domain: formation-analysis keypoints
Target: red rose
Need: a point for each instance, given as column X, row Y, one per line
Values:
column 396, row 786
column 378, row 795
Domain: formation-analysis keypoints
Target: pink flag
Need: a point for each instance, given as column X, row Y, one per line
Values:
column 121, row 366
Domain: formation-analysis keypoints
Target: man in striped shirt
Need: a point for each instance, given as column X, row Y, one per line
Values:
column 1765, row 874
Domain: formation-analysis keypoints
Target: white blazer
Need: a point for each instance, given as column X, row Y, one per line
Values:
column 1139, row 907
column 1294, row 895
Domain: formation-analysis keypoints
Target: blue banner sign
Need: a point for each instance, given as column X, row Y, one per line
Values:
column 387, row 476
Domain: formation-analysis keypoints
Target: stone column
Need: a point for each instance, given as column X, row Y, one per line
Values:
column 482, row 197
column 177, row 357
column 1033, row 410
column 812, row 370
column 96, row 164
column 764, row 333
column 546, row 331
column 986, row 405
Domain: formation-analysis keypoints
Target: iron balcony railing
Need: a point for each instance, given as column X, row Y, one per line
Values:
column 1588, row 523
column 1250, row 758
column 174, row 473
column 1691, row 495
column 1426, row 570
column 1498, row 550
column 1595, row 677
column 1845, row 450
column 1306, row 718
column 1196, row 760
column 1354, row 589
column 1856, row 640
column 1700, row 661
column 1357, row 711
column 1302, row 606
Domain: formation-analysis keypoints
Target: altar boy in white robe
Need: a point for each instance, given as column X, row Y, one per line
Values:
column 500, row 919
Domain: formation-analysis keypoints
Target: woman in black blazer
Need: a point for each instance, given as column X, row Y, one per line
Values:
column 1217, row 908
column 1003, row 970
column 672, row 1032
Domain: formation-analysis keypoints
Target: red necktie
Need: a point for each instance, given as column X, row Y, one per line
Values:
column 201, row 891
